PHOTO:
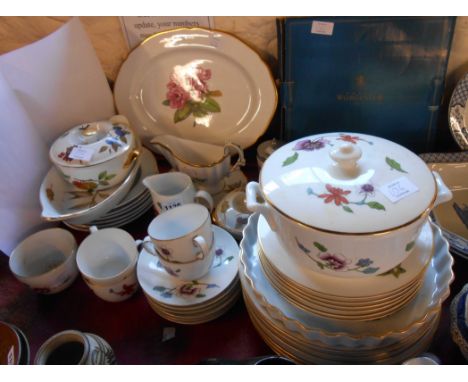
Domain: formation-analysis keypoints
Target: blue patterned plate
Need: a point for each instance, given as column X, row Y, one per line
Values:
column 458, row 113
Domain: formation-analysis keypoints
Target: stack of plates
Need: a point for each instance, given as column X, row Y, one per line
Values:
column 310, row 338
column 133, row 205
column 368, row 298
column 196, row 301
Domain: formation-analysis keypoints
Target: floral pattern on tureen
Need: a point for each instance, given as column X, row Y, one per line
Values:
column 325, row 259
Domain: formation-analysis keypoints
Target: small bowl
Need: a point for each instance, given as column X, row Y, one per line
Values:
column 96, row 155
column 46, row 261
column 232, row 214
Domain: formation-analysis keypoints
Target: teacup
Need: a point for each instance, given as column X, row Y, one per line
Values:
column 45, row 261
column 173, row 189
column 182, row 239
column 107, row 261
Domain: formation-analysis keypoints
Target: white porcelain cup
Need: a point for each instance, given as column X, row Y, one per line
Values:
column 107, row 261
column 182, row 239
column 173, row 189
column 45, row 261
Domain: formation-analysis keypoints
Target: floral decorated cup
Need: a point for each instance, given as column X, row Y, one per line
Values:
column 96, row 155
column 355, row 202
column 107, row 261
column 46, row 261
column 182, row 239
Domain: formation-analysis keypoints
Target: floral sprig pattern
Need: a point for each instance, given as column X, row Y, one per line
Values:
column 191, row 289
column 339, row 197
column 125, row 291
column 336, row 262
column 189, row 95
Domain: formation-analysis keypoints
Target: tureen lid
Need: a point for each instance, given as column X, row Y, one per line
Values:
column 348, row 183
column 92, row 143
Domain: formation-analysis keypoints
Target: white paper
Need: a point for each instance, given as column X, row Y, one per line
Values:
column 24, row 162
column 138, row 28
column 59, row 81
column 398, row 189
column 322, row 27
column 45, row 89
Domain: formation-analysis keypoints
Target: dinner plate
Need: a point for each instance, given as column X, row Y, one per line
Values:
column 413, row 315
column 341, row 289
column 458, row 113
column 197, row 84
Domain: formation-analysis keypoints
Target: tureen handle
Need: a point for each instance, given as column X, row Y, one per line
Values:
column 119, row 119
column 443, row 192
column 256, row 203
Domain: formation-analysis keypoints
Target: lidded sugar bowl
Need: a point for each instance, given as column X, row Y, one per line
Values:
column 354, row 204
column 96, row 155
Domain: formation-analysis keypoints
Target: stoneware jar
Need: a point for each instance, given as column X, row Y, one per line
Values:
column 354, row 204
column 72, row 347
column 96, row 155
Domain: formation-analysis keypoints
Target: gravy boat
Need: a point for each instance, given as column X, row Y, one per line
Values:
column 205, row 163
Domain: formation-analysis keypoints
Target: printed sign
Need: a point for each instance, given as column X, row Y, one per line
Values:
column 138, row 28
column 398, row 189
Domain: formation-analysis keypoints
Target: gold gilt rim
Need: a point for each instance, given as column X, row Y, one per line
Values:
column 361, row 351
column 261, row 60
column 347, row 300
column 285, row 338
column 249, row 241
column 417, row 277
column 423, row 214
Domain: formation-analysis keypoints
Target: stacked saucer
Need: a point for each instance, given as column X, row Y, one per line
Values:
column 135, row 203
column 307, row 337
column 195, row 301
column 368, row 298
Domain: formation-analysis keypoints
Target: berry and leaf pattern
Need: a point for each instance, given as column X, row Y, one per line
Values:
column 340, row 198
column 220, row 258
column 88, row 190
column 188, row 94
column 191, row 289
column 324, row 259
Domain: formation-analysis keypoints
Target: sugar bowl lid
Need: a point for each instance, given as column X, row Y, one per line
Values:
column 348, row 183
column 92, row 143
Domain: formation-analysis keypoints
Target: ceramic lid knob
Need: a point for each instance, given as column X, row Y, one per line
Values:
column 346, row 155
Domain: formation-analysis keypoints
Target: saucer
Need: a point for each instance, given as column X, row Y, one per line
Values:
column 343, row 289
column 164, row 288
column 60, row 200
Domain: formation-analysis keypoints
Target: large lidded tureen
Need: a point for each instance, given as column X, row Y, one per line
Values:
column 96, row 155
column 354, row 204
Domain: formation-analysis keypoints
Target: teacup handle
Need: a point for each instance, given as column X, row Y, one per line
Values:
column 206, row 197
column 240, row 153
column 200, row 242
